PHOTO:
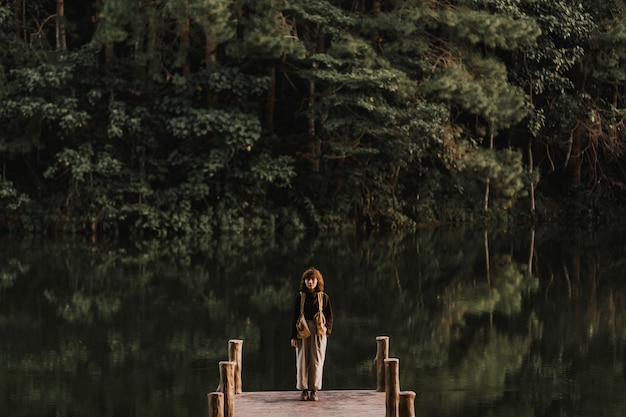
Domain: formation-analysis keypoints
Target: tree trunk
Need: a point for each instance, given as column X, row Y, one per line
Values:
column 311, row 119
column 531, row 253
column 271, row 100
column 487, row 258
column 530, row 171
column 486, row 206
column 375, row 36
column 186, row 41
column 210, row 51
column 210, row 58
column 315, row 146
column 60, row 27
column 575, row 160
column 16, row 18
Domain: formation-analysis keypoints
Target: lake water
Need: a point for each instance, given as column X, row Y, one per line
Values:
column 515, row 322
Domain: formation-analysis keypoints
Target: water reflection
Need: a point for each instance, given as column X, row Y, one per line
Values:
column 496, row 323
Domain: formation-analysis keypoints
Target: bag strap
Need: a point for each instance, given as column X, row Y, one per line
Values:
column 301, row 303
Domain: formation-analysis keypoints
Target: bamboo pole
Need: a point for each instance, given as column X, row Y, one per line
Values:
column 216, row 404
column 392, row 387
column 235, row 355
column 406, row 407
column 227, row 383
column 382, row 353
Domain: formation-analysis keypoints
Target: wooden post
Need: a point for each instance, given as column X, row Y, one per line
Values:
column 235, row 355
column 406, row 407
column 216, row 404
column 382, row 353
column 392, row 387
column 227, row 383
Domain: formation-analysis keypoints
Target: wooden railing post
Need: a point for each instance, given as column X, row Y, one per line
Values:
column 235, row 355
column 227, row 384
column 406, row 407
column 216, row 404
column 392, row 387
column 382, row 353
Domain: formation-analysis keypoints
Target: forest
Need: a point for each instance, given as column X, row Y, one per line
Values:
column 159, row 118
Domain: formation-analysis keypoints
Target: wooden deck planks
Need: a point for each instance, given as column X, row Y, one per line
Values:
column 338, row 403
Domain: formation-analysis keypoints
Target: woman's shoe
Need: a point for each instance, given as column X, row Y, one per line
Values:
column 304, row 396
column 313, row 396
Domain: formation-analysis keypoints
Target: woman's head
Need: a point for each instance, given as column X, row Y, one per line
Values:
column 312, row 275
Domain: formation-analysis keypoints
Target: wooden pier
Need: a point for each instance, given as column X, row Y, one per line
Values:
column 229, row 400
column 339, row 403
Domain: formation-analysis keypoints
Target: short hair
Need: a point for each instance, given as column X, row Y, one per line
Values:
column 312, row 273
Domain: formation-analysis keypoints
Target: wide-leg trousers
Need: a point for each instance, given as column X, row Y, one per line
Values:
column 310, row 356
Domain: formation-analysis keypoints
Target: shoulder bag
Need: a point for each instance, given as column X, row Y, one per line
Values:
column 301, row 326
column 320, row 319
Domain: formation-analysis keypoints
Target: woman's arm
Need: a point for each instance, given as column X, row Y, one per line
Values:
column 296, row 314
column 328, row 313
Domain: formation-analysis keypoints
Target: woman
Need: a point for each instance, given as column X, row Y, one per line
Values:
column 311, row 351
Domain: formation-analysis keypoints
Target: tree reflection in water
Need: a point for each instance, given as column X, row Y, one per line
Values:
column 498, row 322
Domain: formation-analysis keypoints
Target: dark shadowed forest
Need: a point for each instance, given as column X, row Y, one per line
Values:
column 198, row 117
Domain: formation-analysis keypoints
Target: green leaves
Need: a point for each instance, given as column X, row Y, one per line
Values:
column 235, row 130
column 11, row 199
column 44, row 76
column 266, row 33
column 230, row 82
column 608, row 63
column 82, row 164
column 277, row 171
column 122, row 122
column 216, row 18
column 503, row 170
column 333, row 112
column 480, row 87
column 490, row 29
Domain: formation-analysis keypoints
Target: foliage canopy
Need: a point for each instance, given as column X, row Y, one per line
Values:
column 211, row 116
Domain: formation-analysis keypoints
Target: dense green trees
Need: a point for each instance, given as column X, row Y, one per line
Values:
column 204, row 116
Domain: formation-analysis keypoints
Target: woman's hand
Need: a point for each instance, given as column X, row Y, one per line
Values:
column 294, row 343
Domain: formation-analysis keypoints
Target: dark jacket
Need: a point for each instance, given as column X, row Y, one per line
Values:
column 310, row 308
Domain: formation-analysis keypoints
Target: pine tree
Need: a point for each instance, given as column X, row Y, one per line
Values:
column 572, row 77
column 470, row 75
column 366, row 120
